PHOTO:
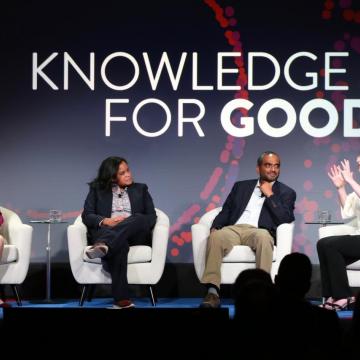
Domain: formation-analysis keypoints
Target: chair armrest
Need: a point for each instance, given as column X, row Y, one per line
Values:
column 284, row 242
column 20, row 235
column 284, row 239
column 160, row 239
column 200, row 234
column 77, row 241
column 334, row 230
column 14, row 224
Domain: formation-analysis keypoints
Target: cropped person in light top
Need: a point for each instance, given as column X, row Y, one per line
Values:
column 2, row 244
column 2, row 239
column 336, row 252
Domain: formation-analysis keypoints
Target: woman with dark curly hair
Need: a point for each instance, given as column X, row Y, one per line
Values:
column 118, row 213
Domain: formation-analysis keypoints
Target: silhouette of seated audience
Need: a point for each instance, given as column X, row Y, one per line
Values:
column 352, row 336
column 268, row 315
column 254, row 295
column 255, row 313
column 310, row 325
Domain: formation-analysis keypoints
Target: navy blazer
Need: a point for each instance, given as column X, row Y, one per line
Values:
column 277, row 209
column 98, row 206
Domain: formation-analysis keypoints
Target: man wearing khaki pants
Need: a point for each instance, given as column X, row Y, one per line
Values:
column 250, row 215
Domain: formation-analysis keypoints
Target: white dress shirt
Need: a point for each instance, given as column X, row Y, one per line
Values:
column 252, row 211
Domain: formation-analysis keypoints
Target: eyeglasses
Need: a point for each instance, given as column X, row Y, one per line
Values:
column 271, row 166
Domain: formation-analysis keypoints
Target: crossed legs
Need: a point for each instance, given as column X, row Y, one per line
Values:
column 335, row 253
column 132, row 231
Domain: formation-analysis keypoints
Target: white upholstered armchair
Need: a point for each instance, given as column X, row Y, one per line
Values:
column 15, row 260
column 145, row 264
column 241, row 257
column 353, row 270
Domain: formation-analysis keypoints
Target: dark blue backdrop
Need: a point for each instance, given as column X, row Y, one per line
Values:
column 52, row 141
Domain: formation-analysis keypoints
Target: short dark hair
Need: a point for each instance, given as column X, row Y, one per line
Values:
column 261, row 157
column 294, row 274
column 107, row 172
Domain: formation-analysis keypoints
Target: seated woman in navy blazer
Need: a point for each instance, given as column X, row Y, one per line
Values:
column 118, row 213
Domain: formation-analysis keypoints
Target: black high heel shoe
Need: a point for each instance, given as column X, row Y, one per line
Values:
column 350, row 303
column 340, row 304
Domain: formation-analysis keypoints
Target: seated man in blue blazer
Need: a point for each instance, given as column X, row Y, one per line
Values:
column 250, row 215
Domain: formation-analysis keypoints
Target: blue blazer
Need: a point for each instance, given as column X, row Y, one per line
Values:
column 277, row 209
column 98, row 206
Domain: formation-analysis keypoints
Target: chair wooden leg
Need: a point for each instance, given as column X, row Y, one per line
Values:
column 16, row 293
column 84, row 292
column 152, row 298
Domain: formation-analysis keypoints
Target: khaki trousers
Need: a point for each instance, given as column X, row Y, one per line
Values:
column 221, row 242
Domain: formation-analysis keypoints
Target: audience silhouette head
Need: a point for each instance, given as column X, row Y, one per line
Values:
column 294, row 276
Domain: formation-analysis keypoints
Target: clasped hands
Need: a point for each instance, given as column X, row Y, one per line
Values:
column 113, row 221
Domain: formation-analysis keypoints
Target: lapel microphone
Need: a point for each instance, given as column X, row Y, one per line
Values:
column 122, row 193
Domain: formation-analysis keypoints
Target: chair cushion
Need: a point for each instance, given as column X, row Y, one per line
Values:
column 137, row 254
column 242, row 253
column 354, row 266
column 9, row 255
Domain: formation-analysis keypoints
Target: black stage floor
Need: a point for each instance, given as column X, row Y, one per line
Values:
column 176, row 324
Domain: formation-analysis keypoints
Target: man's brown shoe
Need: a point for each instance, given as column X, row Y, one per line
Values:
column 210, row 301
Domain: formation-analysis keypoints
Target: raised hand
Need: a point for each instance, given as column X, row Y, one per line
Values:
column 336, row 176
column 346, row 172
column 266, row 188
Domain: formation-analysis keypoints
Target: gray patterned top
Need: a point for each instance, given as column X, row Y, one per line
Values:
column 121, row 203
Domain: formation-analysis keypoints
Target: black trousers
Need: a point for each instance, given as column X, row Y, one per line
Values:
column 335, row 253
column 132, row 231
